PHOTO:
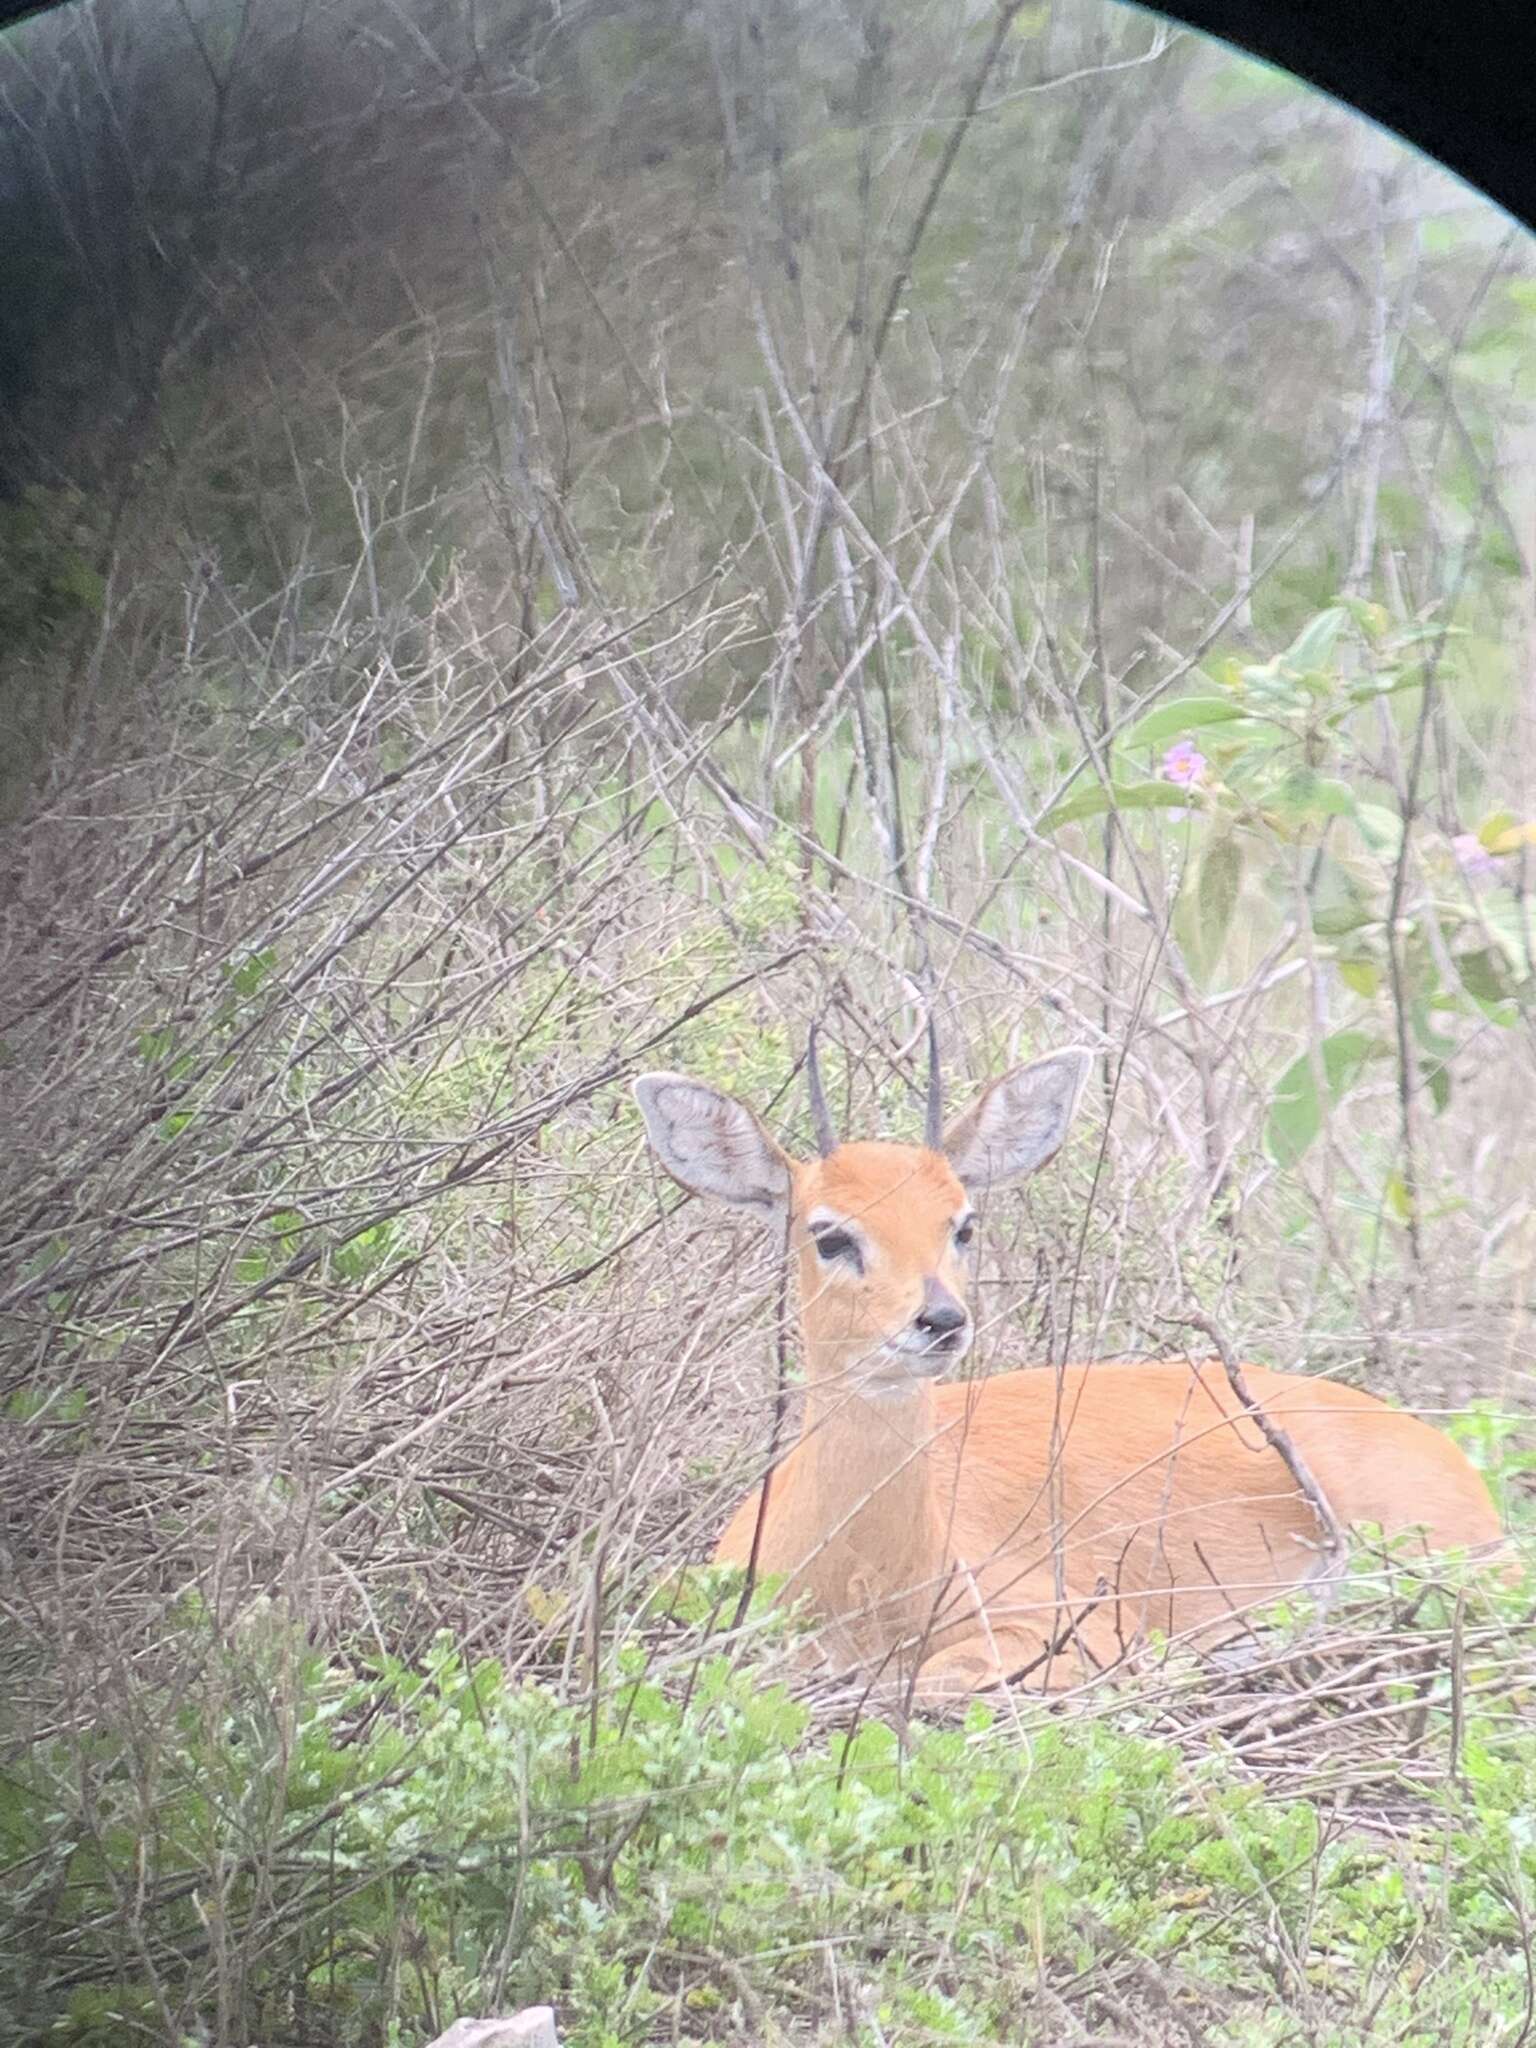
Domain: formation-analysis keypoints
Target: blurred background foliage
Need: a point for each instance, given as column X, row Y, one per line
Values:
column 455, row 271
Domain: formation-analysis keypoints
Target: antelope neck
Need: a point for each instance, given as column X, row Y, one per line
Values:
column 874, row 1488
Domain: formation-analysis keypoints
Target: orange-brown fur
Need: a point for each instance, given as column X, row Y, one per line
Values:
column 1040, row 1523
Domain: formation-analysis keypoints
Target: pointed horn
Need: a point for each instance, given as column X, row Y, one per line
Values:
column 821, row 1116
column 933, row 1136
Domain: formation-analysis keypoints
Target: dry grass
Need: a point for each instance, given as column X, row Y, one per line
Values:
column 336, row 1266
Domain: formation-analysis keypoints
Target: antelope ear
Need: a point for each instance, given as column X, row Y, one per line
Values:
column 1020, row 1121
column 712, row 1144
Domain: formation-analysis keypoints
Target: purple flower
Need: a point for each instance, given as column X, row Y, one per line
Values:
column 1183, row 763
column 1472, row 857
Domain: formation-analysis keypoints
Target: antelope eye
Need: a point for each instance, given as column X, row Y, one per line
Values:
column 838, row 1244
column 964, row 1232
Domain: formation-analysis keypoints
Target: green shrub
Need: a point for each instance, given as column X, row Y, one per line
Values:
column 386, row 1847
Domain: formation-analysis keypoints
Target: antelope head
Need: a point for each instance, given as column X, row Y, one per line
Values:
column 881, row 1232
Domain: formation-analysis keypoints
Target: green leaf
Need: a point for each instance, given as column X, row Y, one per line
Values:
column 1416, row 636
column 1338, row 902
column 1296, row 1109
column 288, row 1227
column 1496, row 828
column 1505, row 921
column 1303, row 793
column 1380, row 828
column 1437, row 1079
column 1372, row 619
column 252, row 971
column 1184, row 715
column 1335, row 799
column 1363, row 976
column 1386, row 682
column 1120, row 796
column 1274, row 687
column 1314, row 644
column 1482, row 975
column 1221, row 879
column 1433, row 1040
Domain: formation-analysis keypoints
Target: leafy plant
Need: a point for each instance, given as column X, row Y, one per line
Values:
column 688, row 1847
column 1266, row 778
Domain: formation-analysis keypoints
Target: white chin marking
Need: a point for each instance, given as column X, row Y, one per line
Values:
column 919, row 1361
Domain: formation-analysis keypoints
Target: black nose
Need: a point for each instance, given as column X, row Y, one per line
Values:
column 940, row 1315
